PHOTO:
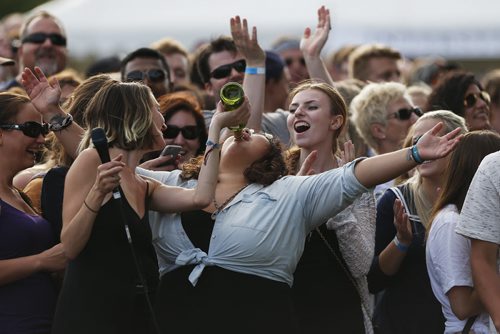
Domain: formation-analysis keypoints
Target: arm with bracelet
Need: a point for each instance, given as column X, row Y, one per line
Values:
column 45, row 97
column 255, row 71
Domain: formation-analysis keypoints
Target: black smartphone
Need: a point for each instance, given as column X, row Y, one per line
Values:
column 173, row 150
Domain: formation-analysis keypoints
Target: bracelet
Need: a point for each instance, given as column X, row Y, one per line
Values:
column 399, row 245
column 255, row 70
column 214, row 145
column 58, row 123
column 90, row 209
column 415, row 155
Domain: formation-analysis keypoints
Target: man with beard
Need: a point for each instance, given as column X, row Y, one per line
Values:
column 43, row 44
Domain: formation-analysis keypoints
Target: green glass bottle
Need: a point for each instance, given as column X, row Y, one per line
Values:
column 232, row 97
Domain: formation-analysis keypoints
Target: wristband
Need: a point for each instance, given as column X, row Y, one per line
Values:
column 255, row 70
column 214, row 145
column 415, row 155
column 59, row 122
column 399, row 245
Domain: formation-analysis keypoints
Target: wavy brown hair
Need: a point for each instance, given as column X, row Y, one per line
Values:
column 264, row 171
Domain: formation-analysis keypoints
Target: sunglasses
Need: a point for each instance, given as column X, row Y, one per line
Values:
column 30, row 129
column 224, row 71
column 155, row 75
column 471, row 99
column 405, row 113
column 40, row 37
column 188, row 132
column 290, row 61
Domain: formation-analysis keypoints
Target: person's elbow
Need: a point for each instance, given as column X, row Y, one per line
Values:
column 200, row 202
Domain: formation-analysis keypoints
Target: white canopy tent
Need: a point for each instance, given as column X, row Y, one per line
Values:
column 449, row 28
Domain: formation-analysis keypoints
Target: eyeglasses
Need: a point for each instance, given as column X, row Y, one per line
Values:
column 224, row 71
column 30, row 129
column 155, row 75
column 405, row 113
column 40, row 37
column 188, row 132
column 290, row 61
column 471, row 99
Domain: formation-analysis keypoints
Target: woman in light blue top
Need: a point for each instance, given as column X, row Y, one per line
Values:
column 237, row 256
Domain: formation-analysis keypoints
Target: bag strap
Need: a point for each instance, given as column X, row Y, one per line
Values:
column 343, row 266
column 469, row 324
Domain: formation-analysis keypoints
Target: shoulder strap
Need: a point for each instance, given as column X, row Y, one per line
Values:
column 468, row 324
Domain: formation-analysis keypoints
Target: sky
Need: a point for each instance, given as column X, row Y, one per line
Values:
column 450, row 28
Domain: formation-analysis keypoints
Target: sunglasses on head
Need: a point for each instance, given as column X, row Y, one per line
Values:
column 40, row 37
column 290, row 61
column 405, row 113
column 188, row 132
column 471, row 99
column 30, row 129
column 155, row 75
column 225, row 70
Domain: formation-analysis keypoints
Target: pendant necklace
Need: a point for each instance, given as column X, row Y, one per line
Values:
column 230, row 198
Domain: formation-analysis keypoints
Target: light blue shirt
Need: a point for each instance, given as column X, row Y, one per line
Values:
column 262, row 230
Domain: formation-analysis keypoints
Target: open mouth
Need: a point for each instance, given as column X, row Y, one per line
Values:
column 301, row 126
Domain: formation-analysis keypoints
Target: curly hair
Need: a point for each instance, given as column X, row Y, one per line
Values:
column 263, row 171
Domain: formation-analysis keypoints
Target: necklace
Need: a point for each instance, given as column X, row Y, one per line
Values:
column 229, row 199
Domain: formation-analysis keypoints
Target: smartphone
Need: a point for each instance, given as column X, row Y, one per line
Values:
column 170, row 150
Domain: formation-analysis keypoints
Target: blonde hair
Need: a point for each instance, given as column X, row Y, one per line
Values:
column 423, row 205
column 123, row 110
column 370, row 106
column 359, row 59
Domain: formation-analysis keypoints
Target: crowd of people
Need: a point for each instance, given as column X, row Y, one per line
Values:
column 361, row 196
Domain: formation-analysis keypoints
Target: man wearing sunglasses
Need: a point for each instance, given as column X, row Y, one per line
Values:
column 149, row 67
column 43, row 44
column 289, row 50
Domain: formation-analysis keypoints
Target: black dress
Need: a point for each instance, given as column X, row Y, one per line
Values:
column 223, row 301
column 101, row 291
column 325, row 299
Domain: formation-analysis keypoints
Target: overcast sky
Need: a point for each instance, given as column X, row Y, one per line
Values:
column 448, row 27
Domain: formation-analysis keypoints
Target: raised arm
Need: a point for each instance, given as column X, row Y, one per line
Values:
column 385, row 167
column 254, row 82
column 83, row 198
column 45, row 97
column 176, row 199
column 312, row 43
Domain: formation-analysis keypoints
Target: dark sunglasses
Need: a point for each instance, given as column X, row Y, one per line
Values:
column 290, row 61
column 471, row 99
column 188, row 132
column 40, row 37
column 155, row 75
column 225, row 70
column 405, row 113
column 30, row 129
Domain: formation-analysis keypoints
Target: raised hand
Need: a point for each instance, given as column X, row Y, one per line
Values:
column 430, row 146
column 247, row 45
column 311, row 43
column 232, row 118
column 306, row 168
column 348, row 154
column 402, row 223
column 43, row 94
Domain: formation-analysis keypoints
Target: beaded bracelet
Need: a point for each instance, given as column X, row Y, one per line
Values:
column 255, row 70
column 399, row 245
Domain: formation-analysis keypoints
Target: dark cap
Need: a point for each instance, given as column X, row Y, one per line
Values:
column 6, row 61
column 274, row 65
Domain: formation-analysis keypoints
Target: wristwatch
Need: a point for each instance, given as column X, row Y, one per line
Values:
column 59, row 122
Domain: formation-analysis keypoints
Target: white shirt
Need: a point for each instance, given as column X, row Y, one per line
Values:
column 448, row 265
